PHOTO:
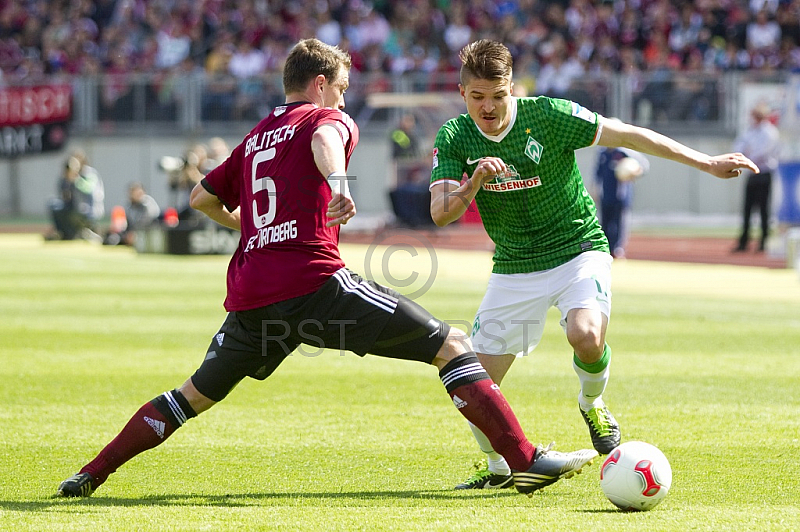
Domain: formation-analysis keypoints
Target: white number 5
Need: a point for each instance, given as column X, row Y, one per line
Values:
column 263, row 183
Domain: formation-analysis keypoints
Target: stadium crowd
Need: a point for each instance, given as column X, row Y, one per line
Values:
column 251, row 36
column 232, row 43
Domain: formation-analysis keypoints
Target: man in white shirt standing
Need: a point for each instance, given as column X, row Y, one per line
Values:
column 761, row 143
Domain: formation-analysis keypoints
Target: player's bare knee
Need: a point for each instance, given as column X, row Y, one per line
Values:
column 586, row 331
column 587, row 341
column 457, row 343
column 588, row 347
column 199, row 402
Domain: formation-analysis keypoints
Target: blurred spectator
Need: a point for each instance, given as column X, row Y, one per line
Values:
column 374, row 28
column 761, row 143
column 220, row 88
column 458, row 33
column 654, row 101
column 141, row 212
column 630, row 29
column 763, row 34
column 329, row 30
column 351, row 20
column 247, row 65
column 183, row 173
column 694, row 95
column 557, row 76
column 685, row 32
column 116, row 91
column 79, row 204
column 736, row 30
column 218, row 151
column 410, row 198
column 788, row 18
column 580, row 17
column 174, row 43
column 404, row 138
column 615, row 194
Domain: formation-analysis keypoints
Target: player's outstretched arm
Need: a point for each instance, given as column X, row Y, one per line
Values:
column 621, row 135
column 210, row 205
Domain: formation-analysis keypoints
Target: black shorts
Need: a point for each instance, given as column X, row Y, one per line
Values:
column 346, row 313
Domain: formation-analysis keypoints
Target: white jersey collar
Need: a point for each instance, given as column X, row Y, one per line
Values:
column 512, row 109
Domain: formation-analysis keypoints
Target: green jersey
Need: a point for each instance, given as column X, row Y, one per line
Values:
column 539, row 214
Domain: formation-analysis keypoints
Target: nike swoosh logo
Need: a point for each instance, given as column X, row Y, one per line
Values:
column 470, row 161
column 500, row 484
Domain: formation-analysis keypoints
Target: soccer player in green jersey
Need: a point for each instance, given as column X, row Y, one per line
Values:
column 518, row 155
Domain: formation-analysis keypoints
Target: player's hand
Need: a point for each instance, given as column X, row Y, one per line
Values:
column 730, row 165
column 340, row 210
column 487, row 169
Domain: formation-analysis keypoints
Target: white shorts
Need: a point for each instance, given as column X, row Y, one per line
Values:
column 512, row 314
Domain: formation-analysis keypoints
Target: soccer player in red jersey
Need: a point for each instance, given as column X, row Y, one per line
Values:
column 285, row 188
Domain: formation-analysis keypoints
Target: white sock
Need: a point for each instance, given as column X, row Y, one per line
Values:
column 497, row 464
column 499, row 467
column 592, row 387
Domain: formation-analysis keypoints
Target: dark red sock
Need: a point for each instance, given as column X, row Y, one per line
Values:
column 150, row 426
column 481, row 402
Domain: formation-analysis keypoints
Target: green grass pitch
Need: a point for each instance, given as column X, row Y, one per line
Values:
column 706, row 366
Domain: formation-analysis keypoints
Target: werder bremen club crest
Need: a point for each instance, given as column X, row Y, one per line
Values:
column 533, row 150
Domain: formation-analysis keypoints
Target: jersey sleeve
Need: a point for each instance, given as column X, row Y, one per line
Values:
column 448, row 163
column 225, row 180
column 345, row 125
column 577, row 126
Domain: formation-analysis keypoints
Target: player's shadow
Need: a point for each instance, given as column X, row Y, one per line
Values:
column 248, row 499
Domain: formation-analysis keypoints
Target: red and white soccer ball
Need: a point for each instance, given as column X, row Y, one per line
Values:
column 636, row 476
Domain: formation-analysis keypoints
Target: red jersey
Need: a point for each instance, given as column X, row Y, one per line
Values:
column 285, row 250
